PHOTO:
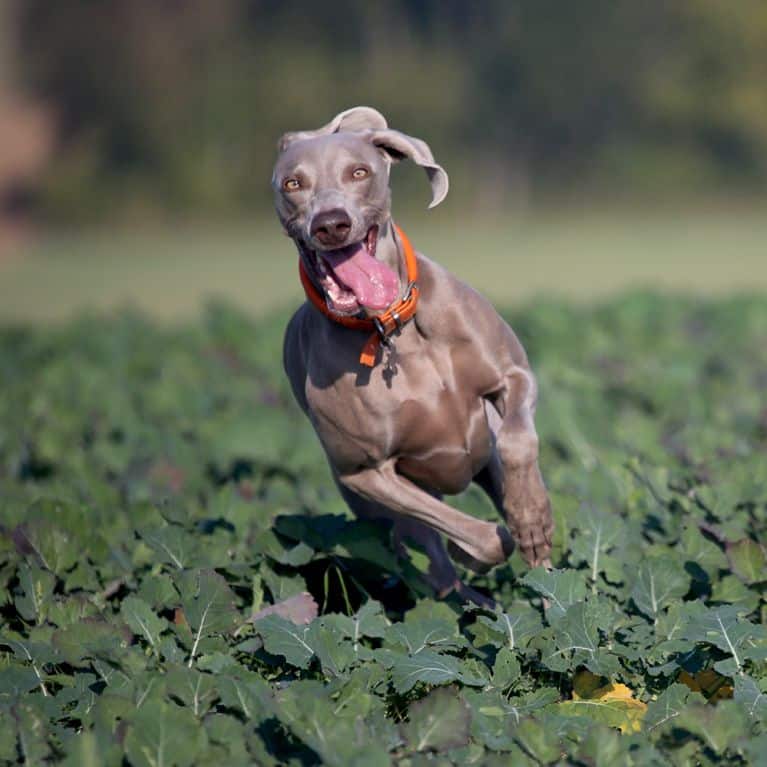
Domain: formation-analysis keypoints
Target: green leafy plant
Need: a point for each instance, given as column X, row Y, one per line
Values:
column 180, row 583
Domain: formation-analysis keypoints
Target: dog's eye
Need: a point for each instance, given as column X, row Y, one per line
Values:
column 359, row 173
column 291, row 184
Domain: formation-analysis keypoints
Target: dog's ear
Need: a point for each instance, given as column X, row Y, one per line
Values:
column 356, row 119
column 399, row 146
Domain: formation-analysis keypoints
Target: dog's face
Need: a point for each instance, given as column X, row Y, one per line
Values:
column 332, row 196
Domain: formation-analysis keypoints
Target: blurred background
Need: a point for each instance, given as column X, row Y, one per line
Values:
column 592, row 146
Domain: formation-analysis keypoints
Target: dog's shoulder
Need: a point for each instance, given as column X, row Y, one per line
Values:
column 445, row 294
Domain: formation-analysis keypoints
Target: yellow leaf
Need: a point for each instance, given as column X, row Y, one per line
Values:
column 600, row 699
column 712, row 684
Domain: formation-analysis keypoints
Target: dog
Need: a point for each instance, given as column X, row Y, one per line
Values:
column 413, row 383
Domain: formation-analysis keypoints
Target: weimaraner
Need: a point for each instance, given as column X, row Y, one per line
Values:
column 447, row 398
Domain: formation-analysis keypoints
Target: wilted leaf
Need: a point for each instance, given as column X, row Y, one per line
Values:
column 613, row 704
column 299, row 609
column 708, row 682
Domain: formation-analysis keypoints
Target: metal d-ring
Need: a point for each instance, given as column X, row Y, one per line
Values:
column 385, row 340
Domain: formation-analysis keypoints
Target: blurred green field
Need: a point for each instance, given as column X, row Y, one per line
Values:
column 578, row 255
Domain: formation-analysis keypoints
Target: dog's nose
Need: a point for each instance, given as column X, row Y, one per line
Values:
column 331, row 227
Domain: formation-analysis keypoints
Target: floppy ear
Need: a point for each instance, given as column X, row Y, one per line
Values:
column 354, row 119
column 399, row 146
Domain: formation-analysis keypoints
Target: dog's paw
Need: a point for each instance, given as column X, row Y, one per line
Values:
column 485, row 554
column 532, row 531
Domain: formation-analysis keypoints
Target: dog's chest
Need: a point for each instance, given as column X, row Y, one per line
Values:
column 420, row 407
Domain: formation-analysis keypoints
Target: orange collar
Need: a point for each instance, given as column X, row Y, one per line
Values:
column 380, row 327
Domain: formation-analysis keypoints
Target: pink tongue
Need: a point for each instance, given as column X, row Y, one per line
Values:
column 374, row 285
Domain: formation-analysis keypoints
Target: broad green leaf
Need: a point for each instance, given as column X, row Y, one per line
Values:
column 335, row 652
column 719, row 727
column 282, row 587
column 428, row 667
column 659, row 582
column 438, row 722
column 246, row 692
column 514, row 629
column 143, row 622
column 561, row 588
column 158, row 591
column 339, row 736
column 493, row 719
column 748, row 560
column 16, row 681
column 172, row 545
column 723, row 628
column 37, row 586
column 432, row 632
column 596, row 533
column 536, row 741
column 92, row 638
column 755, row 749
column 295, row 556
column 209, row 607
column 282, row 637
column 195, row 690
column 752, row 696
column 731, row 590
column 506, row 669
column 668, row 706
column 162, row 734
column 605, row 747
column 575, row 639
column 44, row 541
column 704, row 559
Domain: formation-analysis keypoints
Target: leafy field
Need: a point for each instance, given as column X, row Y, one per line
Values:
column 160, row 493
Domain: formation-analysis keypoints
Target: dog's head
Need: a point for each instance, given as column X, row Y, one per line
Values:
column 331, row 189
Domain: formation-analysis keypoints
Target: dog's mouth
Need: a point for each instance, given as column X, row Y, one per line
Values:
column 352, row 278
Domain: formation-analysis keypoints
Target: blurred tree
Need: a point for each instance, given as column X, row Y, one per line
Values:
column 177, row 104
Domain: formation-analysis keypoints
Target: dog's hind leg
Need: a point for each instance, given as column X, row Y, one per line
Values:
column 442, row 575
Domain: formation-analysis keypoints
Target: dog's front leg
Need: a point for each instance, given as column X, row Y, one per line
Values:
column 482, row 544
column 517, row 483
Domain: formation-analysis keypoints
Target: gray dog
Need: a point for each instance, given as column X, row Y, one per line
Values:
column 413, row 383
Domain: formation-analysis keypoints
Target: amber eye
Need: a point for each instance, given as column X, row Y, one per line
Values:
column 360, row 173
column 291, row 184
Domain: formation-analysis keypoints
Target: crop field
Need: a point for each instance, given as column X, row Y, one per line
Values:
column 180, row 583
